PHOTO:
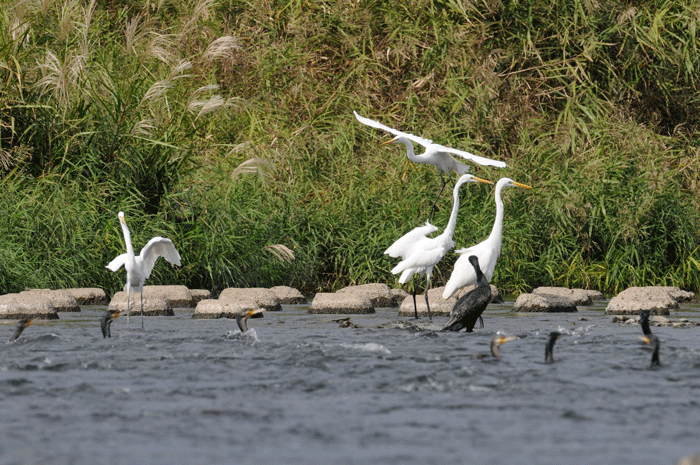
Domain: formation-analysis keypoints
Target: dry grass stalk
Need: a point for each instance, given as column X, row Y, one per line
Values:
column 281, row 252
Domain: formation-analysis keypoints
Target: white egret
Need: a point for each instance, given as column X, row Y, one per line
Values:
column 421, row 253
column 138, row 268
column 487, row 251
column 435, row 154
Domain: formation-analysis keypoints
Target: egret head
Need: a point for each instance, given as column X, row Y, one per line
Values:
column 399, row 140
column 121, row 217
column 470, row 178
column 507, row 182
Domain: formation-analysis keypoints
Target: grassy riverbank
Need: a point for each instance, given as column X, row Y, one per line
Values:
column 228, row 127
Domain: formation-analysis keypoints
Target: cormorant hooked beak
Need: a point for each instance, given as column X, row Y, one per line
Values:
column 106, row 323
column 497, row 341
column 242, row 318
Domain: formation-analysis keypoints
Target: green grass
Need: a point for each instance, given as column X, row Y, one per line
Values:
column 228, row 127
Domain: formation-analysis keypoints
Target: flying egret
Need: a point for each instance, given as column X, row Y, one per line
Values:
column 138, row 269
column 471, row 305
column 435, row 154
column 421, row 253
column 487, row 251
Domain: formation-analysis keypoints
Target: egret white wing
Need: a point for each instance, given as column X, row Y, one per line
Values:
column 473, row 158
column 158, row 247
column 420, row 259
column 404, row 245
column 117, row 263
column 378, row 125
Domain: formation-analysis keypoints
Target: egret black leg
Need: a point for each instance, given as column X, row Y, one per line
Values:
column 432, row 209
column 141, row 308
column 415, row 307
column 427, row 288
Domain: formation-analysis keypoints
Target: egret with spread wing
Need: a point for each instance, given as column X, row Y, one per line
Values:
column 487, row 251
column 435, row 154
column 138, row 268
column 421, row 253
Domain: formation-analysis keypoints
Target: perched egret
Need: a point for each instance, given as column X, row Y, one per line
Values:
column 106, row 323
column 554, row 336
column 21, row 325
column 435, row 154
column 487, row 251
column 421, row 253
column 471, row 305
column 138, row 268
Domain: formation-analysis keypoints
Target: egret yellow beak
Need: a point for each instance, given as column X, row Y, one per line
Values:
column 522, row 185
column 481, row 180
column 388, row 142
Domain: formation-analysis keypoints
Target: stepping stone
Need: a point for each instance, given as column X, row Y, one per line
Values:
column 178, row 296
column 254, row 296
column 633, row 300
column 438, row 305
column 61, row 300
column 89, row 295
column 152, row 305
column 14, row 306
column 341, row 303
column 200, row 294
column 217, row 308
column 496, row 297
column 577, row 296
column 288, row 295
column 398, row 295
column 543, row 303
column 379, row 295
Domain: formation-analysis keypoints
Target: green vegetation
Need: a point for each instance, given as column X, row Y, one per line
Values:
column 227, row 126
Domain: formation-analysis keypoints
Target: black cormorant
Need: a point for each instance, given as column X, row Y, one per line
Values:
column 21, row 324
column 106, row 322
column 653, row 341
column 242, row 318
column 554, row 336
column 644, row 321
column 469, row 307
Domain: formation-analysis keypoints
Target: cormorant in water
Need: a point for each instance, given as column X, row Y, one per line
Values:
column 21, row 324
column 469, row 307
column 554, row 336
column 653, row 341
column 644, row 321
column 106, row 323
column 242, row 318
column 496, row 342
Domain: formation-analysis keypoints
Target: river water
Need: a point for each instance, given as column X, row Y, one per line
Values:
column 299, row 389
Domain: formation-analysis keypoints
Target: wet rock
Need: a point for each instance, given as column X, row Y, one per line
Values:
column 200, row 294
column 253, row 296
column 633, row 300
column 398, row 295
column 496, row 297
column 217, row 308
column 543, row 303
column 679, row 295
column 89, row 295
column 14, row 306
column 656, row 320
column 176, row 295
column 289, row 295
column 61, row 300
column 438, row 305
column 379, row 295
column 576, row 296
column 153, row 305
column 341, row 303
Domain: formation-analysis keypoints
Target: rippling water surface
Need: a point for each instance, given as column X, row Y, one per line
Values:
column 299, row 389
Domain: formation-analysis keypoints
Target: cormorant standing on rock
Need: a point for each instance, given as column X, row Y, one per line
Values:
column 554, row 336
column 106, row 323
column 242, row 318
column 470, row 306
column 21, row 324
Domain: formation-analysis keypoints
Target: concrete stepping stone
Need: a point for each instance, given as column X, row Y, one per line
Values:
column 61, row 300
column 217, row 308
column 543, row 303
column 289, row 295
column 152, row 305
column 341, row 303
column 89, row 295
column 14, row 306
column 255, row 296
column 379, row 294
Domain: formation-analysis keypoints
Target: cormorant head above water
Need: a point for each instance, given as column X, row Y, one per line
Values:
column 644, row 321
column 242, row 318
column 21, row 325
column 554, row 336
column 106, row 323
column 497, row 341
